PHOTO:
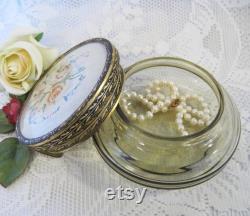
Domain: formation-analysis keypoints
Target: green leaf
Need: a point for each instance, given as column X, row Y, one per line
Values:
column 14, row 158
column 22, row 98
column 39, row 36
column 5, row 126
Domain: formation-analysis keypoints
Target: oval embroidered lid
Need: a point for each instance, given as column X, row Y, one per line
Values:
column 77, row 93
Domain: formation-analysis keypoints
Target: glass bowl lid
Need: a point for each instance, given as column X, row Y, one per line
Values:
column 71, row 100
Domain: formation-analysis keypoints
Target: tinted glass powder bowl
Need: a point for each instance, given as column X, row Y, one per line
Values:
column 150, row 146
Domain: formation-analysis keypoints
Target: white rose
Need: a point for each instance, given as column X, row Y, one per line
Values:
column 22, row 62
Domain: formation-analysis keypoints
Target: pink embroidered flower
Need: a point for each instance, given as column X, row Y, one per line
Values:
column 56, row 90
column 12, row 110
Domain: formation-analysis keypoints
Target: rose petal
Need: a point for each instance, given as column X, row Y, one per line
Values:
column 12, row 119
column 12, row 90
column 34, row 54
column 32, row 76
column 16, row 70
column 49, row 54
column 15, row 105
column 26, row 86
column 6, row 108
column 20, row 34
column 24, row 67
column 12, row 110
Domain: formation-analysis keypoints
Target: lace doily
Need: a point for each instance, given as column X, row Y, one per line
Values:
column 214, row 34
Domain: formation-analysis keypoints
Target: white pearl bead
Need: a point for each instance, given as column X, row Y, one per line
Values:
column 200, row 122
column 179, row 120
column 124, row 100
column 134, row 116
column 188, row 108
column 128, row 95
column 179, row 115
column 206, row 111
column 154, row 98
column 141, row 117
column 183, row 104
column 204, row 105
column 206, row 117
column 149, row 114
column 150, row 104
column 200, row 114
column 179, row 108
column 194, row 111
column 201, row 99
column 149, row 96
column 175, row 89
column 125, row 107
column 184, row 111
column 155, row 109
column 184, row 133
column 164, row 109
column 160, row 104
column 134, row 94
column 182, row 98
column 180, row 127
column 187, row 116
column 171, row 83
column 140, row 97
column 173, row 97
column 157, row 88
column 194, row 121
column 160, row 96
column 167, row 102
column 145, row 101
column 128, row 112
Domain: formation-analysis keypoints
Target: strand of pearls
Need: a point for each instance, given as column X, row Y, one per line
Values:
column 162, row 95
column 155, row 93
column 140, row 98
column 192, row 115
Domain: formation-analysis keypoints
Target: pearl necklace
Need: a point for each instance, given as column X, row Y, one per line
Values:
column 161, row 96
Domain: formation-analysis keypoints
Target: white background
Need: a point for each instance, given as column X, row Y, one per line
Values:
column 214, row 34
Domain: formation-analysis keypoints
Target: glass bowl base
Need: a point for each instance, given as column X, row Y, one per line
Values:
column 197, row 169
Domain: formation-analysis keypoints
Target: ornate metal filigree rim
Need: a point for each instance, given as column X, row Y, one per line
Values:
column 90, row 121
